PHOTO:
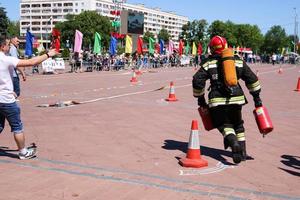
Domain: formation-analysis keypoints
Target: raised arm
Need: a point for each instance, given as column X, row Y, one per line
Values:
column 36, row 60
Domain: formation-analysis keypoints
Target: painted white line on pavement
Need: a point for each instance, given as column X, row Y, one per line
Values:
column 218, row 168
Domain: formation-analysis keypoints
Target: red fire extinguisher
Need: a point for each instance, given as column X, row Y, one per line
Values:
column 263, row 120
column 206, row 118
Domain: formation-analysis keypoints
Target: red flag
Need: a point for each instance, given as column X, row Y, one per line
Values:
column 57, row 44
column 181, row 46
column 55, row 33
column 56, row 39
column 157, row 47
column 199, row 49
column 140, row 45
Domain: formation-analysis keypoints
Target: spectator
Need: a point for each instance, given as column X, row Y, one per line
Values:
column 274, row 58
column 9, row 109
column 13, row 51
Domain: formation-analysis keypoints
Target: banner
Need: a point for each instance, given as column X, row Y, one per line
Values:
column 113, row 46
column 78, row 41
column 128, row 45
column 187, row 48
column 50, row 65
column 97, row 44
column 140, row 45
column 151, row 45
column 181, row 45
column 199, row 49
column 56, row 39
column 161, row 45
column 194, row 49
column 171, row 47
column 29, row 44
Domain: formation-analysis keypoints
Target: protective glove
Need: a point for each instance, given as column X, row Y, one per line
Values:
column 201, row 102
column 257, row 101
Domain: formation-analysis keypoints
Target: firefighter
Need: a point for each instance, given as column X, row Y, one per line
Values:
column 225, row 102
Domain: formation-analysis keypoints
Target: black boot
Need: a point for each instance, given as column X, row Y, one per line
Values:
column 244, row 154
column 231, row 140
column 243, row 147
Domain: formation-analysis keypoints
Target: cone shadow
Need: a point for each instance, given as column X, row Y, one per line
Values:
column 214, row 153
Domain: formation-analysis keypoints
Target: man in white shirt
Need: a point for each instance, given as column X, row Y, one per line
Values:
column 9, row 109
column 274, row 58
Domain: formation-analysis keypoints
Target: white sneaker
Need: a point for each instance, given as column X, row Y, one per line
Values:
column 31, row 152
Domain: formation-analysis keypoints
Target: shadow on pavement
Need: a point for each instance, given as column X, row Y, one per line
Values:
column 216, row 154
column 293, row 162
column 5, row 151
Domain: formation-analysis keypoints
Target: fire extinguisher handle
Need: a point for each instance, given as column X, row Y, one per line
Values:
column 257, row 102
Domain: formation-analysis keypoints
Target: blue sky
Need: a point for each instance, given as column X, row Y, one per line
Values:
column 264, row 13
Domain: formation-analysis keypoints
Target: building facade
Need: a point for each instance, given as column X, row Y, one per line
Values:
column 40, row 16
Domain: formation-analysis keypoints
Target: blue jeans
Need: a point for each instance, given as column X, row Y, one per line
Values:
column 16, row 83
column 11, row 112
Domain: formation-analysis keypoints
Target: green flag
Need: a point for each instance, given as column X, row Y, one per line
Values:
column 97, row 44
column 151, row 45
column 116, row 23
column 205, row 48
column 187, row 48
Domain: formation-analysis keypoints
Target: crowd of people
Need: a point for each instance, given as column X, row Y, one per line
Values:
column 87, row 61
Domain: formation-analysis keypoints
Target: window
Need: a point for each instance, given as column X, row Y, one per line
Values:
column 45, row 5
column 68, row 4
column 25, row 6
column 35, row 5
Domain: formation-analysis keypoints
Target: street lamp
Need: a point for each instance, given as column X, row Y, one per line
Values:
column 48, row 22
column 295, row 31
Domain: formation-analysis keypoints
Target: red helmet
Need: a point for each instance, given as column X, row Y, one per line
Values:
column 217, row 44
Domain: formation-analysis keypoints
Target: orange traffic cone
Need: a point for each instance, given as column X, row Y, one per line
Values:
column 193, row 156
column 298, row 85
column 172, row 96
column 133, row 78
column 280, row 70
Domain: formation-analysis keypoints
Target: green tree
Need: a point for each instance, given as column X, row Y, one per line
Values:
column 195, row 31
column 164, row 35
column 13, row 28
column 275, row 40
column 248, row 36
column 147, row 35
column 3, row 21
column 243, row 35
column 224, row 29
column 87, row 22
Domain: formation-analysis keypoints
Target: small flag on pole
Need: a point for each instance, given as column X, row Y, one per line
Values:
column 128, row 45
column 181, row 45
column 78, row 41
column 171, row 47
column 140, row 45
column 29, row 44
column 194, row 49
column 113, row 46
column 161, row 45
column 97, row 44
column 151, row 45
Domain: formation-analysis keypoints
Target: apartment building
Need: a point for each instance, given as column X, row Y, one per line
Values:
column 40, row 16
